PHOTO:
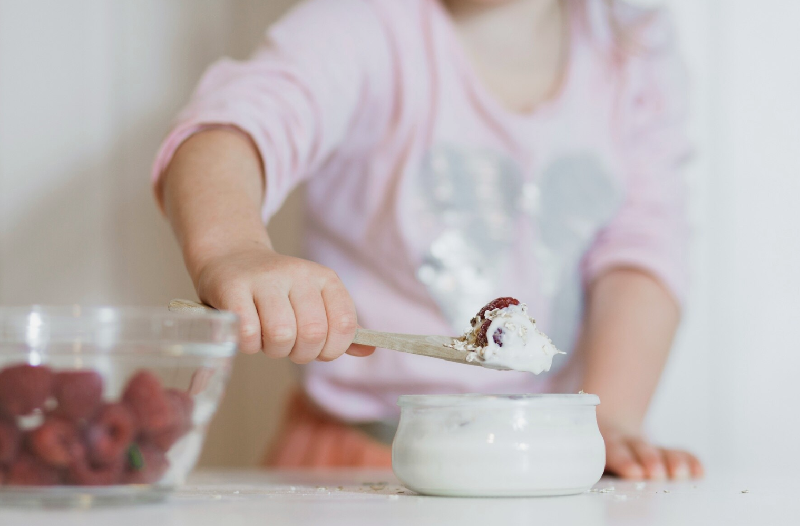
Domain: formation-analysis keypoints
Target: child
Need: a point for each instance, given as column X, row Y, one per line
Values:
column 455, row 151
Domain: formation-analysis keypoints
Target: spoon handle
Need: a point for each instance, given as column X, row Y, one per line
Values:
column 432, row 346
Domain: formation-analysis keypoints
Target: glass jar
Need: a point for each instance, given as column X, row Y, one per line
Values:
column 498, row 445
column 129, row 392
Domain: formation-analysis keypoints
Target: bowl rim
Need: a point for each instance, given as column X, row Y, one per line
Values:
column 498, row 400
column 104, row 313
column 94, row 330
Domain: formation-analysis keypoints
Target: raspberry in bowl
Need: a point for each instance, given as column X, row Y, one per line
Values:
column 103, row 405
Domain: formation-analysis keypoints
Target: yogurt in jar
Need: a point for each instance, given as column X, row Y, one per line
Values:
column 498, row 445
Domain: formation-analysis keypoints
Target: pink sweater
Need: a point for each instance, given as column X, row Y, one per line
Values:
column 429, row 198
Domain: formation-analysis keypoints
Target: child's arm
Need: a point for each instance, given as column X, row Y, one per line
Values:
column 631, row 315
column 252, row 131
column 630, row 323
column 212, row 193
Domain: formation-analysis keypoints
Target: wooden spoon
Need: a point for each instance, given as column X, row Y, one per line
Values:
column 431, row 346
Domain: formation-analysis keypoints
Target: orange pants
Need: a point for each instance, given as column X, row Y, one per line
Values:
column 310, row 438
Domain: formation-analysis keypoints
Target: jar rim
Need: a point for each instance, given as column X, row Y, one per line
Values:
column 496, row 400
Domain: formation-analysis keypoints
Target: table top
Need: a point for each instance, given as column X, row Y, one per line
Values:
column 355, row 498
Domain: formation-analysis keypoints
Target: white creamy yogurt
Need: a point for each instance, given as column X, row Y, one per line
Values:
column 487, row 445
column 512, row 341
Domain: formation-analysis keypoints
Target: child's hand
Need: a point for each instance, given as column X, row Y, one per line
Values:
column 631, row 457
column 287, row 306
column 212, row 193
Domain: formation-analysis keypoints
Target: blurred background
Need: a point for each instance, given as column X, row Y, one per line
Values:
column 88, row 89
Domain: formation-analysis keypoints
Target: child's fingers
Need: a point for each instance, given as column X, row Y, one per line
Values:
column 342, row 323
column 695, row 466
column 650, row 457
column 312, row 323
column 278, row 324
column 677, row 464
column 249, row 326
column 360, row 350
column 621, row 460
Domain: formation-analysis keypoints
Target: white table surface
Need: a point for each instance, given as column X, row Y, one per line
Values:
column 356, row 498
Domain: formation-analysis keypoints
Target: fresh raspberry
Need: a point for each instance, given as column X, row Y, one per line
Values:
column 24, row 388
column 182, row 406
column 56, row 442
column 146, row 398
column 79, row 393
column 146, row 464
column 84, row 474
column 27, row 470
column 499, row 303
column 110, row 434
column 9, row 441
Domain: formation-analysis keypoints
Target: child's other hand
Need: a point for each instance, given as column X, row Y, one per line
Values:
column 288, row 307
column 631, row 457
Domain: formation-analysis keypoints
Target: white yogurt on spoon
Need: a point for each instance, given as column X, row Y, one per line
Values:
column 504, row 336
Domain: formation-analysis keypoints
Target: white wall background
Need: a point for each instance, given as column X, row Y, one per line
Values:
column 730, row 390
column 87, row 90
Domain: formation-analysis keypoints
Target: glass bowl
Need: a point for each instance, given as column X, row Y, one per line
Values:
column 475, row 445
column 106, row 405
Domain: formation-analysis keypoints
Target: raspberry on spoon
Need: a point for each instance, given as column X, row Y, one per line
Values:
column 499, row 303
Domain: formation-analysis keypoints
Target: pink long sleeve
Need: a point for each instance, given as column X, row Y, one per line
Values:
column 650, row 232
column 429, row 197
column 297, row 96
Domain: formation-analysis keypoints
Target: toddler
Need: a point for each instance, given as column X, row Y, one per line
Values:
column 454, row 151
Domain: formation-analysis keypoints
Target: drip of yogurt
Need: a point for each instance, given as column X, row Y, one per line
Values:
column 511, row 340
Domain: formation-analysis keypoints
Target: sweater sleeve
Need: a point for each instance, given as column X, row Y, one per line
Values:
column 650, row 231
column 296, row 97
